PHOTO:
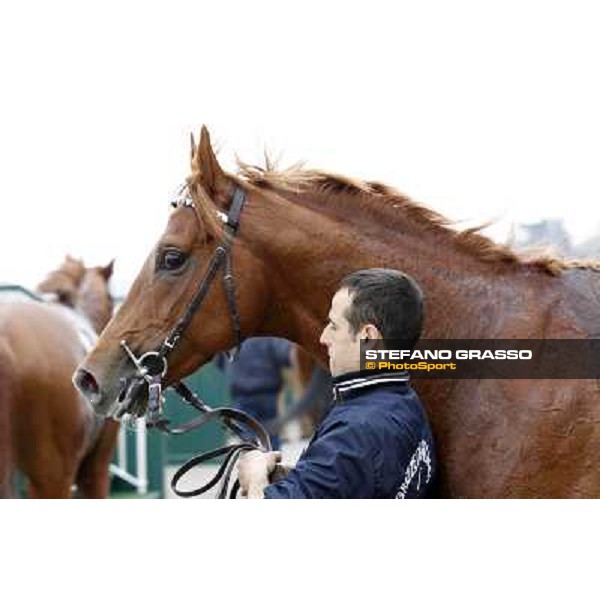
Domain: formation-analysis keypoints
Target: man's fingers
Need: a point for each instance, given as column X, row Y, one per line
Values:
column 249, row 454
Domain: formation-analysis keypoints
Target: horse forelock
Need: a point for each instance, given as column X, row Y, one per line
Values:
column 376, row 196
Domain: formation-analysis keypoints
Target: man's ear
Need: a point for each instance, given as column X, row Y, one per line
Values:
column 371, row 337
column 370, row 332
column 206, row 167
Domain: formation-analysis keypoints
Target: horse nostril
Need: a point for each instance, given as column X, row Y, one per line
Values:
column 86, row 382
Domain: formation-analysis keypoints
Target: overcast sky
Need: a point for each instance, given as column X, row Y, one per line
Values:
column 479, row 112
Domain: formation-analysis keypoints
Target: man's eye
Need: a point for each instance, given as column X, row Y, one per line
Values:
column 171, row 259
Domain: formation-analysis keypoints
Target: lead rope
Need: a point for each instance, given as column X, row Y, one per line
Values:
column 255, row 437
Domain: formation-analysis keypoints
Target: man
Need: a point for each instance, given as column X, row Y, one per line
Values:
column 375, row 441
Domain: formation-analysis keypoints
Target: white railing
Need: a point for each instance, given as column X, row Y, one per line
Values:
column 137, row 477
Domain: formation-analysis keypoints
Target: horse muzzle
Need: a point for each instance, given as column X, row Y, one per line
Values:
column 129, row 397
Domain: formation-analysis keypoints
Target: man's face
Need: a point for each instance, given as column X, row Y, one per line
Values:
column 342, row 346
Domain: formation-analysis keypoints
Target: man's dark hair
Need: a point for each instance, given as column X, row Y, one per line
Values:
column 388, row 299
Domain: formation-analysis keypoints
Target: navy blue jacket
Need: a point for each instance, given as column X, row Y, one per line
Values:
column 375, row 442
column 257, row 369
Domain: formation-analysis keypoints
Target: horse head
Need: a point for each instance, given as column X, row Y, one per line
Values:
column 63, row 283
column 167, row 284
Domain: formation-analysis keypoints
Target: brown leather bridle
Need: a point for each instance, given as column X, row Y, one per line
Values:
column 152, row 367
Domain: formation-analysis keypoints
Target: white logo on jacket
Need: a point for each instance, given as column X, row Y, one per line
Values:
column 421, row 457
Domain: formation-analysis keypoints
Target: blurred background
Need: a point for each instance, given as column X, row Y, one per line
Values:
column 481, row 112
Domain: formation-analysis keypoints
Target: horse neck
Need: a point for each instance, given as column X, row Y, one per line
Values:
column 94, row 308
column 96, row 317
column 310, row 244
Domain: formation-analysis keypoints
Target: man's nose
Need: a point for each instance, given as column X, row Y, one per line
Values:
column 323, row 338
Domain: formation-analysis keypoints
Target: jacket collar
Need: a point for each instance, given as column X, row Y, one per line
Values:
column 349, row 384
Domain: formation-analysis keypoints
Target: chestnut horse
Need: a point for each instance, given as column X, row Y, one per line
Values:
column 55, row 438
column 300, row 233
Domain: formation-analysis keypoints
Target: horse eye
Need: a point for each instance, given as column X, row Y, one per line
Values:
column 171, row 259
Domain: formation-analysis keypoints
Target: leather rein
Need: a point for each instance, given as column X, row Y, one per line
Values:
column 152, row 367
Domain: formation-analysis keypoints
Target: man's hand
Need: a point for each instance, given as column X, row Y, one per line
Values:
column 253, row 471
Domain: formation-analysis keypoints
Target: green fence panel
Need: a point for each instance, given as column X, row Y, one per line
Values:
column 210, row 383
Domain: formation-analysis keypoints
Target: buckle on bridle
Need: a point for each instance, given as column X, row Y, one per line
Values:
column 152, row 367
column 170, row 343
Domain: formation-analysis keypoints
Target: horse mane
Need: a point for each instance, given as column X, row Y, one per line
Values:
column 374, row 195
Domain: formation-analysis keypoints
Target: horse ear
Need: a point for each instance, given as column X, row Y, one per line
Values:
column 73, row 262
column 107, row 271
column 206, row 163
